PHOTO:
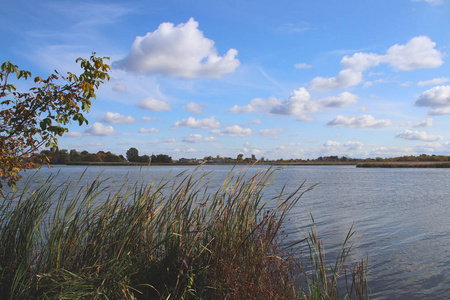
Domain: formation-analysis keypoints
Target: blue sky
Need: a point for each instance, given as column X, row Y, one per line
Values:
column 279, row 79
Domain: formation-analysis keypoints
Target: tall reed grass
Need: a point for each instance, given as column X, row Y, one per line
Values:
column 165, row 240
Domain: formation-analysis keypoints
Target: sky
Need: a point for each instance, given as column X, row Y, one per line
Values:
column 277, row 79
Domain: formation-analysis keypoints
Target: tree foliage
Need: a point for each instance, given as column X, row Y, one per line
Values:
column 36, row 118
column 133, row 155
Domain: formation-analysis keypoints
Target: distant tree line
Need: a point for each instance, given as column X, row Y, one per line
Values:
column 64, row 156
column 133, row 156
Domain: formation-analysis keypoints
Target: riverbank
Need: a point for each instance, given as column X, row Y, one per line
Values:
column 271, row 163
column 414, row 164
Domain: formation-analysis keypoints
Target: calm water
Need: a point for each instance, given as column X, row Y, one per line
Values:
column 403, row 216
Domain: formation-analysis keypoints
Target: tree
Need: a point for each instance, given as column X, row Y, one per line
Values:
column 161, row 159
column 133, row 155
column 144, row 159
column 36, row 118
column 239, row 158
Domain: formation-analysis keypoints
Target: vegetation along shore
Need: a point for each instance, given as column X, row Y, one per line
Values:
column 166, row 240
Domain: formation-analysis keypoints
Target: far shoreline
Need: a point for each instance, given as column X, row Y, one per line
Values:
column 413, row 164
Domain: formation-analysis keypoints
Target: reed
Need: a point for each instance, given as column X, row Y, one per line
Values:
column 165, row 240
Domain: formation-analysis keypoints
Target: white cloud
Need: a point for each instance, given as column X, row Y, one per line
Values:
column 73, row 134
column 148, row 119
column 197, row 138
column 349, row 149
column 180, row 50
column 209, row 139
column 192, row 138
column 256, row 105
column 297, row 104
column 425, row 123
column 346, row 78
column 418, row 53
column 191, row 122
column 169, row 140
column 303, row 66
column 364, row 121
column 418, row 135
column 361, row 61
column 116, row 118
column 100, row 130
column 154, row 104
column 269, row 132
column 234, row 131
column 434, row 81
column 342, row 100
column 437, row 98
column 148, row 130
column 120, row 87
column 256, row 121
column 194, row 108
column 185, row 150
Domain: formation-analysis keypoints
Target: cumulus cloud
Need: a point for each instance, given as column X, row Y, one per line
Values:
column 154, row 104
column 148, row 130
column 116, row 118
column 425, row 123
column 192, row 138
column 197, row 138
column 256, row 105
column 234, row 131
column 417, row 53
column 346, row 78
column 191, row 122
column 364, row 121
column 434, row 81
column 180, row 50
column 342, row 100
column 437, row 98
column 361, row 61
column 303, row 66
column 297, row 104
column 100, row 130
column 269, row 132
column 418, row 136
column 194, row 108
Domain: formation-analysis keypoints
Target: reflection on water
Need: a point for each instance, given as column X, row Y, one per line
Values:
column 403, row 215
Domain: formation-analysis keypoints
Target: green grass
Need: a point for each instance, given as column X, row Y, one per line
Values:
column 165, row 240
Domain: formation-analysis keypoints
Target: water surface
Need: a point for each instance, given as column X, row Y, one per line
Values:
column 403, row 216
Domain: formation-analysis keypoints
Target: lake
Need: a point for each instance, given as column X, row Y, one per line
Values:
column 403, row 216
